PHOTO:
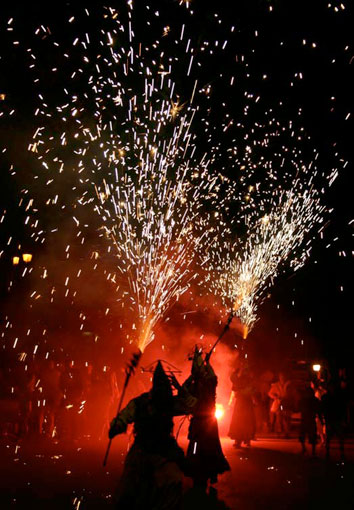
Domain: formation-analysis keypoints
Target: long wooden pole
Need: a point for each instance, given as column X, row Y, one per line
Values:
column 129, row 372
column 226, row 327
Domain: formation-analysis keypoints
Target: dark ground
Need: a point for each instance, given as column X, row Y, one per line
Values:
column 272, row 474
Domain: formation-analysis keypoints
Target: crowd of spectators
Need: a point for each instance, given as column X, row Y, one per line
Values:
column 67, row 400
column 59, row 400
column 317, row 408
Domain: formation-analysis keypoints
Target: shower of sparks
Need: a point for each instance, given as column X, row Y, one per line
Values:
column 246, row 271
column 153, row 145
column 152, row 215
column 130, row 155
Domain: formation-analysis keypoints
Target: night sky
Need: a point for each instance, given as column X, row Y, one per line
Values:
column 299, row 53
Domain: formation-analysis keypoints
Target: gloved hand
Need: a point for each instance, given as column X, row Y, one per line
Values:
column 115, row 428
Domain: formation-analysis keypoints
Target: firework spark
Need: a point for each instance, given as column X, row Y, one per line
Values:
column 152, row 215
column 131, row 156
column 136, row 125
column 246, row 271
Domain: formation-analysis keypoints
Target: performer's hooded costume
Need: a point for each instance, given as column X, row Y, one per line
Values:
column 205, row 458
column 243, row 421
column 152, row 476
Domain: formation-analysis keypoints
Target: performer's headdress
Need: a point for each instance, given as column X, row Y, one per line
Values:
column 161, row 387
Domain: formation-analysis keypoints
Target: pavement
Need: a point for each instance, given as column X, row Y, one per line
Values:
column 271, row 474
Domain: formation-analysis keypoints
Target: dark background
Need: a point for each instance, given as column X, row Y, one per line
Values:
column 308, row 305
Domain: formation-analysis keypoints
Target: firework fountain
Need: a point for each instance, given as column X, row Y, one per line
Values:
column 117, row 137
column 245, row 271
column 129, row 154
column 168, row 152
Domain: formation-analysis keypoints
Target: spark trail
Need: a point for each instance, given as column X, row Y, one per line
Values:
column 245, row 271
column 137, row 112
column 130, row 155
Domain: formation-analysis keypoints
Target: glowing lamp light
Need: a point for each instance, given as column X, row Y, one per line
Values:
column 316, row 367
column 219, row 411
column 15, row 260
column 2, row 97
column 26, row 257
